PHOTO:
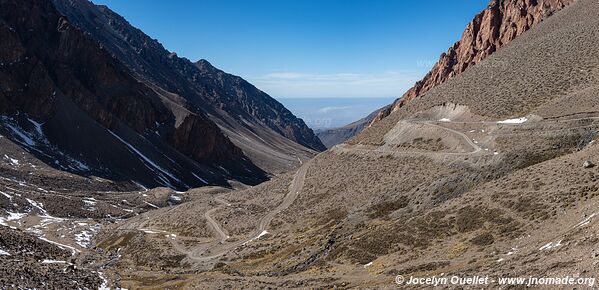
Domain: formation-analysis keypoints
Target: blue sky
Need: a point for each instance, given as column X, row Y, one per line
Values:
column 308, row 48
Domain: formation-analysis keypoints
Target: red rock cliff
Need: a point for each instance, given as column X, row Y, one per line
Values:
column 494, row 27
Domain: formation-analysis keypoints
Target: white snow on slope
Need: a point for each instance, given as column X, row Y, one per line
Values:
column 62, row 246
column 89, row 203
column 4, row 253
column 444, row 120
column 151, row 204
column 24, row 136
column 201, row 179
column 12, row 161
column 585, row 221
column 104, row 285
column 11, row 217
column 6, row 194
column 259, row 236
column 514, row 121
column 551, row 245
column 48, row 261
column 147, row 160
column 38, row 126
column 83, row 238
column 39, row 206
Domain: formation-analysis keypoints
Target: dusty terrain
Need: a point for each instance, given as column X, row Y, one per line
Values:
column 470, row 208
column 491, row 173
column 484, row 175
column 49, row 219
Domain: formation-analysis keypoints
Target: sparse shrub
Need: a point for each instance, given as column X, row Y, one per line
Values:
column 483, row 239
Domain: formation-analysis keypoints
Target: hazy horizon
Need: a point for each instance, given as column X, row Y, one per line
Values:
column 332, row 112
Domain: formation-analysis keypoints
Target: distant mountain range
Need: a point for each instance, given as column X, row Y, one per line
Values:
column 87, row 92
column 334, row 136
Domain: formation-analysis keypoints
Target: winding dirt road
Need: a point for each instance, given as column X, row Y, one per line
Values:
column 224, row 235
column 219, row 249
column 382, row 149
column 206, row 252
column 209, row 251
column 470, row 142
column 212, row 251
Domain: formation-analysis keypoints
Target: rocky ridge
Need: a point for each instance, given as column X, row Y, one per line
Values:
column 229, row 100
column 55, row 75
column 491, row 29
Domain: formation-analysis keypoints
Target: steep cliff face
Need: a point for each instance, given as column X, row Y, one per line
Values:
column 201, row 140
column 494, row 27
column 231, row 101
column 69, row 101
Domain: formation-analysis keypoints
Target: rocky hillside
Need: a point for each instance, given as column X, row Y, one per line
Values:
column 492, row 173
column 69, row 101
column 241, row 110
column 494, row 27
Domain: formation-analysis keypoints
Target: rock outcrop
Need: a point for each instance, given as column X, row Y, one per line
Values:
column 494, row 27
column 68, row 100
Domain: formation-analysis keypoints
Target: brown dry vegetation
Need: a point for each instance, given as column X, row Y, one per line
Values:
column 425, row 209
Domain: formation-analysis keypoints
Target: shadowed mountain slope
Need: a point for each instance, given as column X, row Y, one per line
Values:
column 66, row 99
column 269, row 133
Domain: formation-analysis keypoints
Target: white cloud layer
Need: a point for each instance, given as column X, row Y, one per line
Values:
column 295, row 84
column 333, row 108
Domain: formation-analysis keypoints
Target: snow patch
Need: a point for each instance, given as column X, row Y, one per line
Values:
column 140, row 186
column 152, row 205
column 175, row 198
column 11, row 217
column 585, row 221
column 39, row 206
column 6, row 194
column 83, row 238
column 62, row 246
column 444, row 120
column 514, row 121
column 551, row 245
column 89, row 203
column 53, row 262
column 38, row 126
column 24, row 136
column 201, row 179
column 148, row 161
column 259, row 236
column 104, row 285
column 4, row 253
column 14, row 162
